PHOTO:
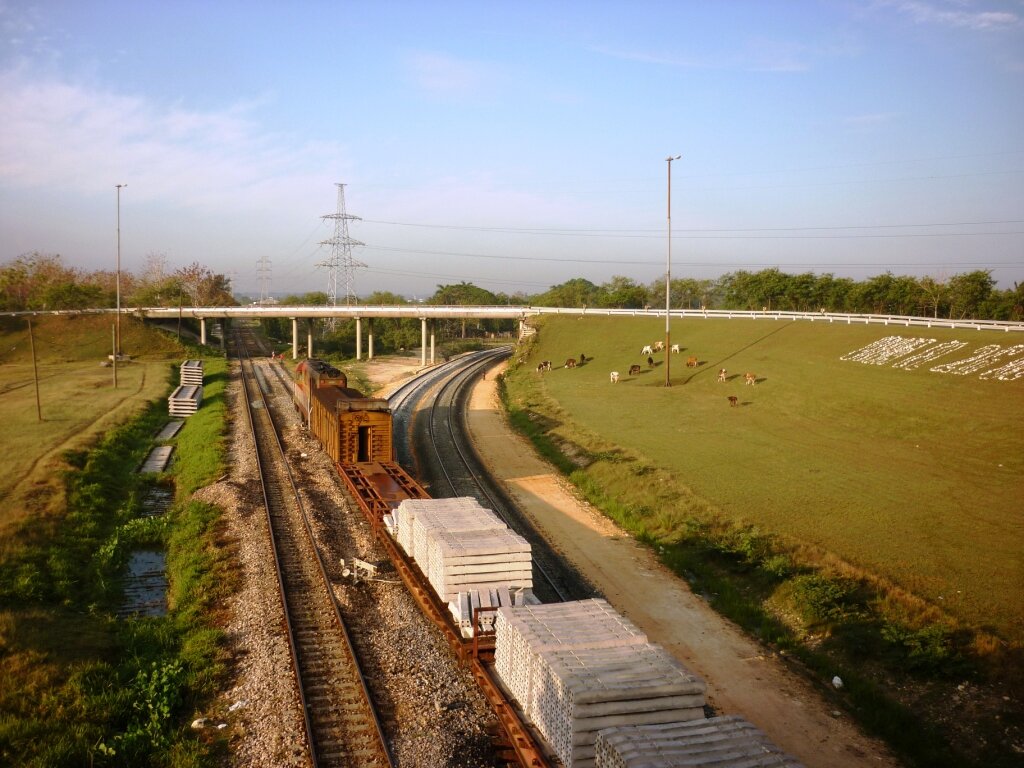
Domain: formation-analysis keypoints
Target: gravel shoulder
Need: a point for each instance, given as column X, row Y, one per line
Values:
column 742, row 677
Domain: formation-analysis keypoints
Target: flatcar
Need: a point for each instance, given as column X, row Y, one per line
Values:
column 351, row 428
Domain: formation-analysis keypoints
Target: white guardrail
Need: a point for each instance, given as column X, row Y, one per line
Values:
column 427, row 311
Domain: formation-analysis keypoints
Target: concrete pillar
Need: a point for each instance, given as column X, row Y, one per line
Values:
column 359, row 338
column 369, row 339
column 295, row 338
column 202, row 331
column 309, row 338
column 224, row 335
column 432, row 358
column 423, row 341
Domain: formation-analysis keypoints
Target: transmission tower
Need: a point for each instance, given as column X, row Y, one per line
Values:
column 340, row 259
column 263, row 276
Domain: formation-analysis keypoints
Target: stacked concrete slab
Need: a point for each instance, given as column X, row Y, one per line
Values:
column 576, row 668
column 466, row 560
column 722, row 742
column 185, row 400
column 405, row 515
column 192, row 372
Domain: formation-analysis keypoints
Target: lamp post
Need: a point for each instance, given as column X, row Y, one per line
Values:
column 668, row 276
column 117, row 316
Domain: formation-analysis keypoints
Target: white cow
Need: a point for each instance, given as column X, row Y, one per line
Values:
column 659, row 345
column 675, row 349
column 615, row 377
column 646, row 351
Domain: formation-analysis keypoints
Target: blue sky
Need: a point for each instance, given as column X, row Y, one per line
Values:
column 516, row 145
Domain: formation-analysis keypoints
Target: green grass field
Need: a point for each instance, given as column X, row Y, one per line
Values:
column 913, row 475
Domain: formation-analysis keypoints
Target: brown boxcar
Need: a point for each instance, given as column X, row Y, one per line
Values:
column 351, row 428
column 313, row 374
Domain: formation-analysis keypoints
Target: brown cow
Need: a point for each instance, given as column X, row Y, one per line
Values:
column 721, row 374
column 749, row 378
column 691, row 362
column 733, row 401
column 634, row 370
column 570, row 363
column 650, row 362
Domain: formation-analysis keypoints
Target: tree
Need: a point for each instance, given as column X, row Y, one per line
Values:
column 203, row 287
column 969, row 292
column 623, row 293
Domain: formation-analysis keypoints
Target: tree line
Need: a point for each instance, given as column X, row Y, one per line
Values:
column 42, row 282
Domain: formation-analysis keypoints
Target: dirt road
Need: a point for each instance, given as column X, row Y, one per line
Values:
column 742, row 678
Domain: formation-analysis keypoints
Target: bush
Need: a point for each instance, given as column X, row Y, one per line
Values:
column 820, row 599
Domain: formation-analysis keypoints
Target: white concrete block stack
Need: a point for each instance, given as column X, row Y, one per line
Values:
column 467, row 560
column 722, row 742
column 578, row 667
column 525, row 631
column 578, row 692
column 185, row 400
column 442, row 518
column 192, row 372
column 405, row 514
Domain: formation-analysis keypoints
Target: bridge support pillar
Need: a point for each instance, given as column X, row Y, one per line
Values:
column 309, row 338
column 369, row 339
column 432, row 328
column 295, row 338
column 359, row 338
column 202, row 331
column 423, row 341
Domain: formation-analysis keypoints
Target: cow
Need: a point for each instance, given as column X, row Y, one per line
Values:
column 634, row 370
column 749, row 378
column 675, row 349
column 721, row 374
column 570, row 363
column 545, row 365
column 615, row 377
column 646, row 351
column 691, row 362
column 583, row 358
column 650, row 362
column 733, row 401
column 659, row 346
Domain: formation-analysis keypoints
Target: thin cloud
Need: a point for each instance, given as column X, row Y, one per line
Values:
column 446, row 75
column 55, row 133
column 932, row 13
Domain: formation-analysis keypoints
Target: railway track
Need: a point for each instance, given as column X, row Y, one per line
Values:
column 447, row 456
column 342, row 726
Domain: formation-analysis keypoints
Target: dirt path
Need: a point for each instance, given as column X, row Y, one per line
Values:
column 742, row 679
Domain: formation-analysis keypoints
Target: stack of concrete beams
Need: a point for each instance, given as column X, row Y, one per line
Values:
column 405, row 515
column 192, row 372
column 443, row 518
column 185, row 400
column 465, row 560
column 722, row 742
column 576, row 668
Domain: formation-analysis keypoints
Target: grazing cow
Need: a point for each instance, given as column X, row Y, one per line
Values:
column 675, row 349
column 733, row 401
column 749, row 378
column 570, row 363
column 691, row 362
column 634, row 370
column 721, row 374
column 545, row 365
column 646, row 351
column 583, row 358
column 615, row 377
column 659, row 346
column 650, row 362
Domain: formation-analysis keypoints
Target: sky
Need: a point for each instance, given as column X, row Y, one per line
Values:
column 514, row 145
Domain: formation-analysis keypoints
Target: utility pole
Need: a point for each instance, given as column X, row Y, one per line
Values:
column 668, row 277
column 35, row 369
column 117, row 321
column 341, row 253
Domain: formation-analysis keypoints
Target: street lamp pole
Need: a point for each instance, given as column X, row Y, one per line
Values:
column 668, row 277
column 117, row 317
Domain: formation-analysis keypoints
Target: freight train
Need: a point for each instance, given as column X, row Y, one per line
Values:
column 572, row 682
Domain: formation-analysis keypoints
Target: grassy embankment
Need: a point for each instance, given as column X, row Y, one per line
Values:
column 864, row 518
column 80, row 686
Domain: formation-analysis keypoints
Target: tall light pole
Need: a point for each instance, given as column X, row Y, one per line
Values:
column 668, row 276
column 117, row 317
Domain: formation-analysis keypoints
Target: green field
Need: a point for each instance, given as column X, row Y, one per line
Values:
column 912, row 475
